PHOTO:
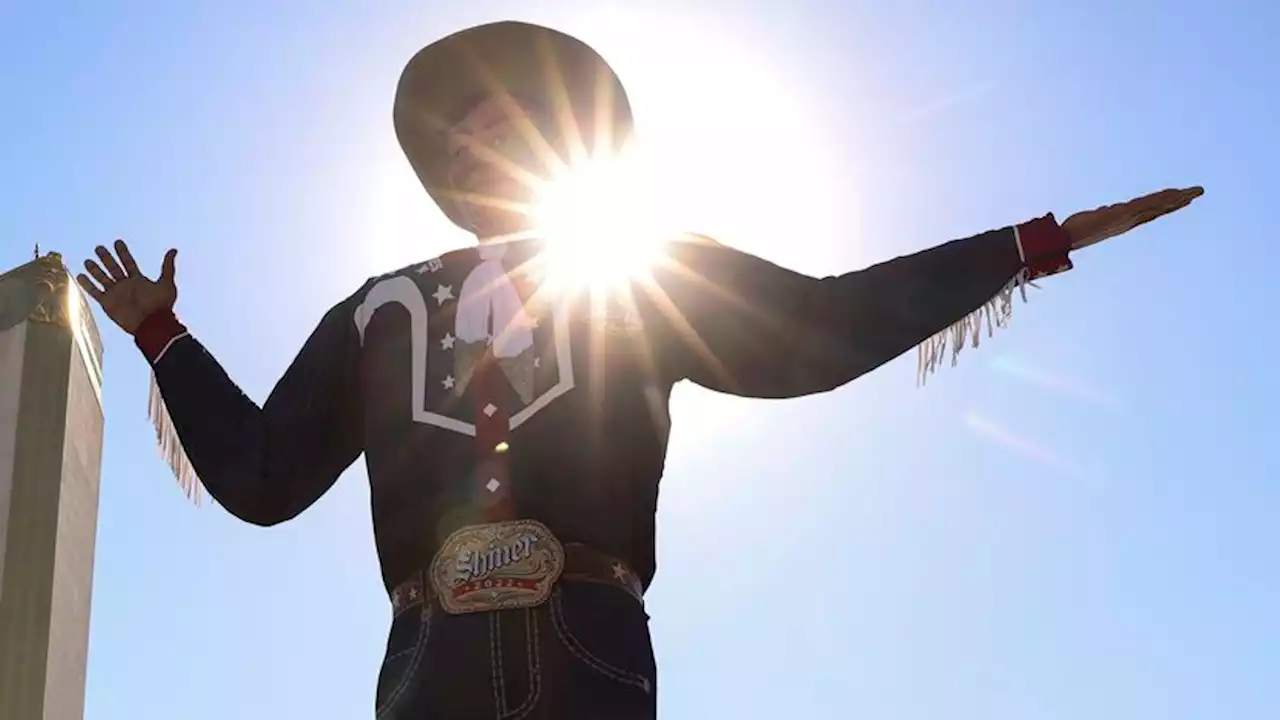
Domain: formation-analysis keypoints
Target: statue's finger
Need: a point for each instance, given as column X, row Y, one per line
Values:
column 126, row 258
column 110, row 263
column 89, row 288
column 99, row 274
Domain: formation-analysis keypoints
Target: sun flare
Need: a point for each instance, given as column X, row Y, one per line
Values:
column 600, row 223
column 732, row 145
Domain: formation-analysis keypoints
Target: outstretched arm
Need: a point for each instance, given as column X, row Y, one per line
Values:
column 742, row 325
column 265, row 465
column 735, row 323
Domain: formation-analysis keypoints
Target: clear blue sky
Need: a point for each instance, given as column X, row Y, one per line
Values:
column 1078, row 521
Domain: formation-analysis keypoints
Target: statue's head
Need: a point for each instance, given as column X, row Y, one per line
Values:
column 488, row 114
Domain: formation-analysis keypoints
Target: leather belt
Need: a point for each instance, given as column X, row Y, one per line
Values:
column 581, row 564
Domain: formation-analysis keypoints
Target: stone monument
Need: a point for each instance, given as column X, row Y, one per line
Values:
column 51, row 426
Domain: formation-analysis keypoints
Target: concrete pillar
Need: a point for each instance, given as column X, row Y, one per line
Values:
column 50, row 458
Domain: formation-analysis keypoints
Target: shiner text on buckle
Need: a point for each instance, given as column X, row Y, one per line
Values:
column 498, row 566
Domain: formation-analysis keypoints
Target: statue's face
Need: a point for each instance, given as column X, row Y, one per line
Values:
column 496, row 166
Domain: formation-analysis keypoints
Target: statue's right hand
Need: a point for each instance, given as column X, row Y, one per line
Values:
column 125, row 294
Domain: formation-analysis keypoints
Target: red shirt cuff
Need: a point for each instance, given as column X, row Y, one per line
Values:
column 156, row 333
column 1043, row 245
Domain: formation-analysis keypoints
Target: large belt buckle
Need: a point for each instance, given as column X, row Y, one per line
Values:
column 497, row 566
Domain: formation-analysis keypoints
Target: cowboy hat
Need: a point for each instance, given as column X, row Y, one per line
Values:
column 527, row 63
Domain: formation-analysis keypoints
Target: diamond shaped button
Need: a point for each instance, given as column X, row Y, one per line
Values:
column 493, row 485
column 490, row 409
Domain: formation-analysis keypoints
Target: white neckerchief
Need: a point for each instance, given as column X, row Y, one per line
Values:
column 489, row 295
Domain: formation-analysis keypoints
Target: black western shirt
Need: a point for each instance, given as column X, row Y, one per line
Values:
column 474, row 394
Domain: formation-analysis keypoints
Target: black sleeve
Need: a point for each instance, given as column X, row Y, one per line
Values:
column 264, row 465
column 738, row 324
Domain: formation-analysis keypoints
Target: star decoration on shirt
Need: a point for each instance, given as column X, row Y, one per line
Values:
column 446, row 342
column 442, row 293
column 448, row 382
column 537, row 362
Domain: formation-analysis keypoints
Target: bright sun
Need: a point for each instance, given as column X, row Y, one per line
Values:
column 601, row 224
column 731, row 146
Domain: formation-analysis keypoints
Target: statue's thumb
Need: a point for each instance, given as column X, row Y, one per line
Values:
column 167, row 267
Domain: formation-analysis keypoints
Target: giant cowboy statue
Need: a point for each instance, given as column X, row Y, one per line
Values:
column 515, row 432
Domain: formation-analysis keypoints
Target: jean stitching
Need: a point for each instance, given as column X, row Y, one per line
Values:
column 419, row 652
column 580, row 651
column 496, row 665
column 400, row 654
column 535, row 667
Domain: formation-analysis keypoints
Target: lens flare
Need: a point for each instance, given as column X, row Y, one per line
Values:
column 600, row 224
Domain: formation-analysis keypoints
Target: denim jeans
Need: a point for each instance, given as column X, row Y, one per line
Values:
column 585, row 653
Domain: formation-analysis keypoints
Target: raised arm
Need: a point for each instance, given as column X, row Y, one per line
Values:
column 739, row 324
column 264, row 465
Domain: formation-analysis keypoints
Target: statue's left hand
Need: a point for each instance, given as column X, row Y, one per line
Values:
column 1093, row 226
column 125, row 294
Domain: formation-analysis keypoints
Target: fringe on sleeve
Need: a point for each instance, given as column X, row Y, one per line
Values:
column 170, row 446
column 995, row 313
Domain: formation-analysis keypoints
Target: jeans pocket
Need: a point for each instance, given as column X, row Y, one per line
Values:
column 406, row 646
column 606, row 631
